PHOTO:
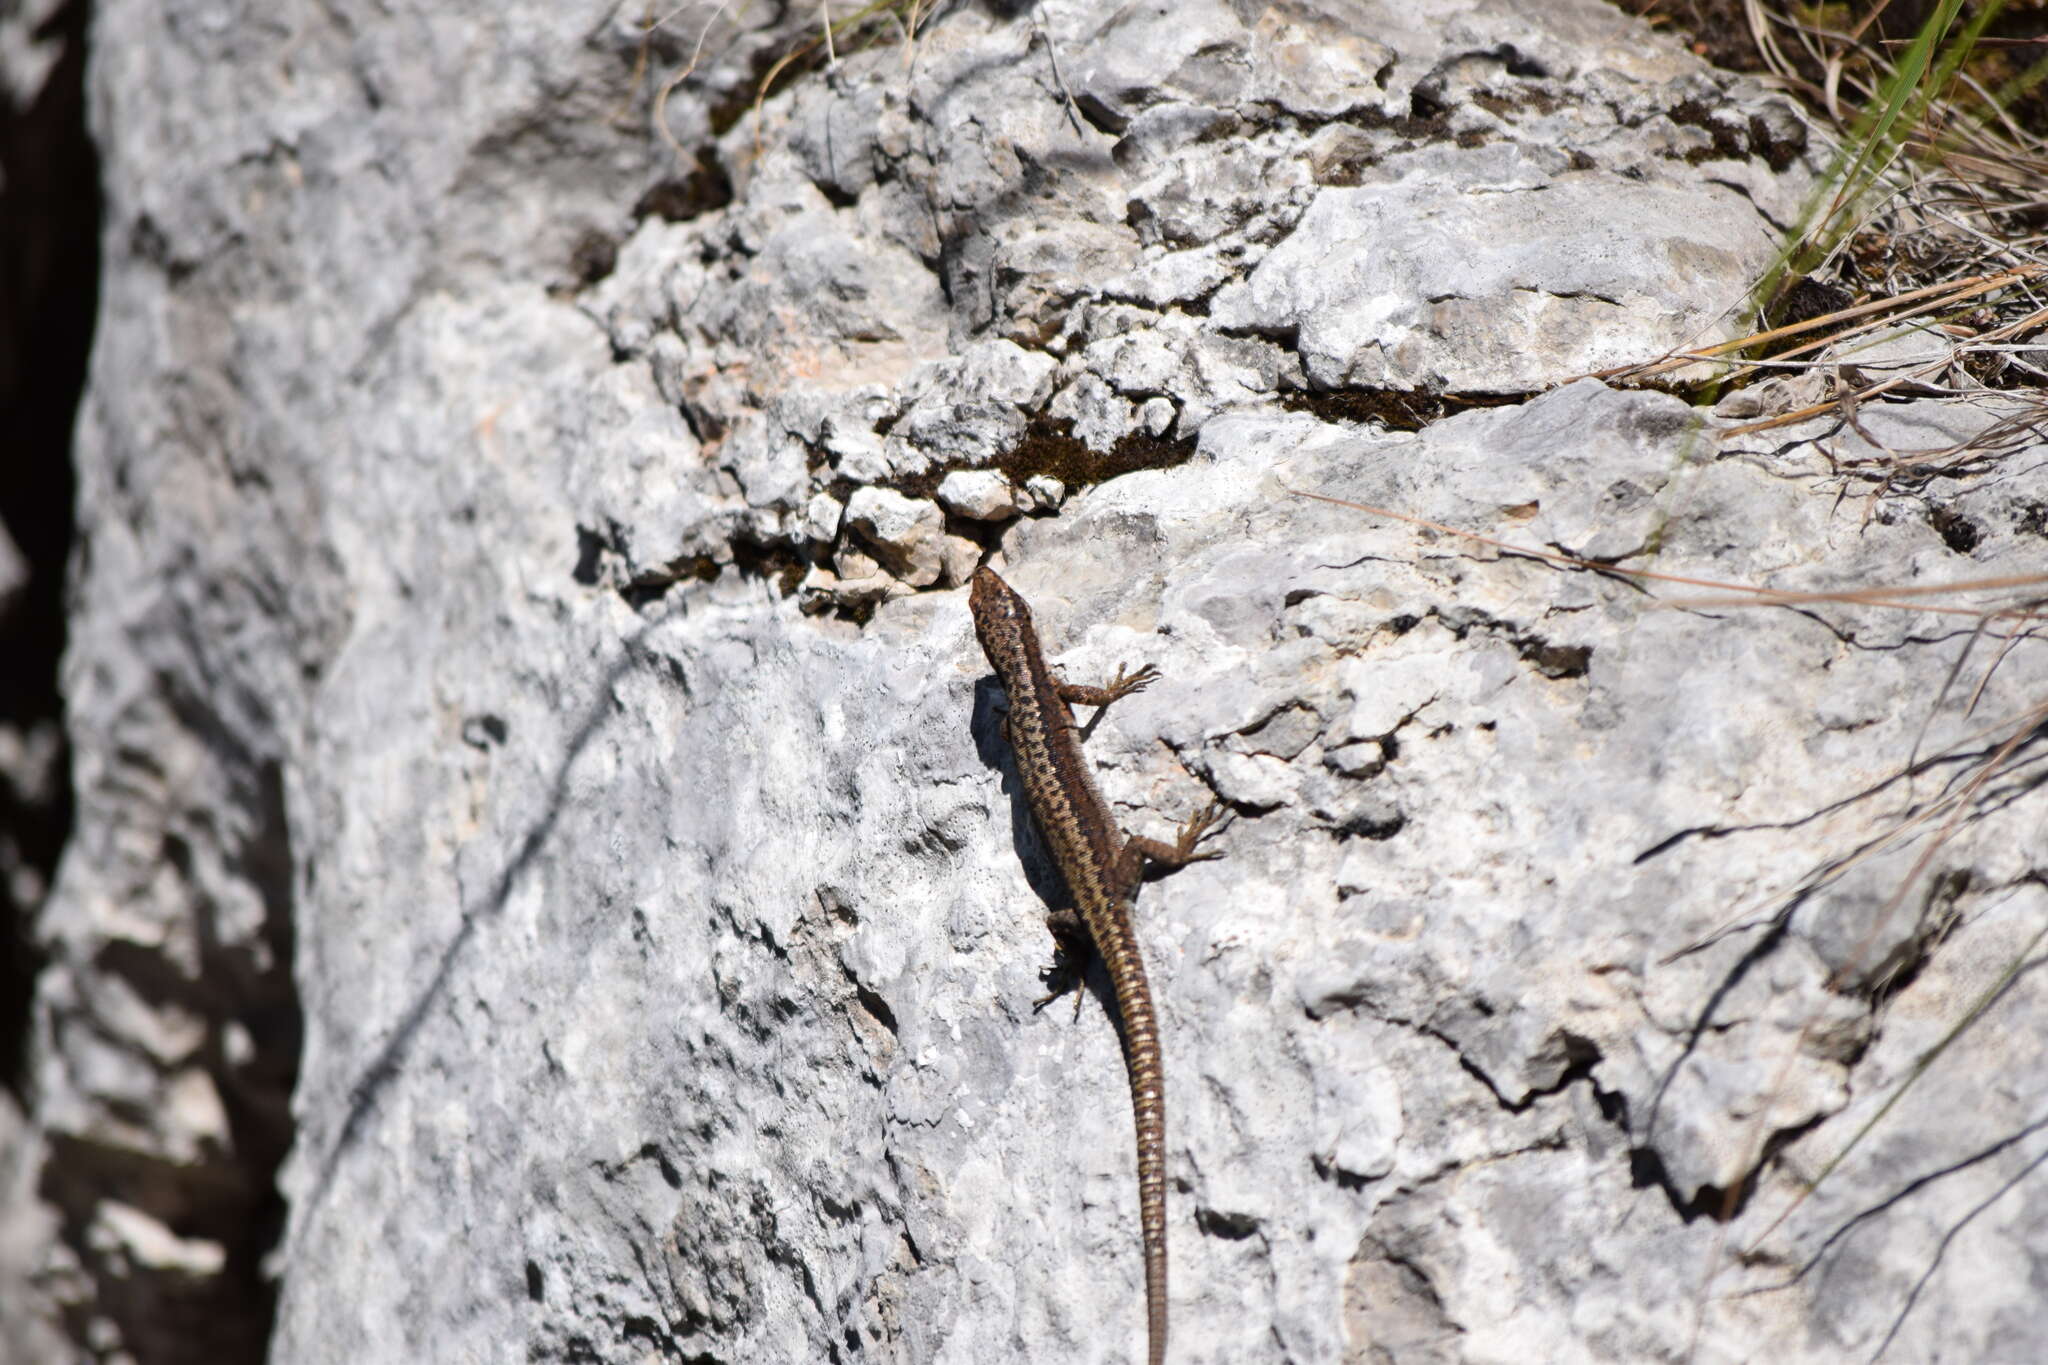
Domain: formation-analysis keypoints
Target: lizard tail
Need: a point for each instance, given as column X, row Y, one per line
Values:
column 1148, row 1103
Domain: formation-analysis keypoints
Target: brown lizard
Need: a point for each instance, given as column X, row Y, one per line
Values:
column 1101, row 867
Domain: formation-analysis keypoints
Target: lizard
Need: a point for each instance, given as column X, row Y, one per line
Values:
column 1101, row 867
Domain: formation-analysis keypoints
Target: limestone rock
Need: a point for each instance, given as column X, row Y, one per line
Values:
column 534, row 764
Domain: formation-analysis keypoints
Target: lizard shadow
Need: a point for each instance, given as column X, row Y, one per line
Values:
column 1069, row 955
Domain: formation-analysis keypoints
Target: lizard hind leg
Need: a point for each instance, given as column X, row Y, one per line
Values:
column 1123, row 684
column 1198, row 827
column 1139, row 850
column 1072, row 949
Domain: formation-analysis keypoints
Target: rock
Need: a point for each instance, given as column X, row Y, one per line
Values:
column 961, row 557
column 906, row 533
column 981, row 494
column 543, row 813
column 1043, row 493
column 822, row 517
column 148, row 1245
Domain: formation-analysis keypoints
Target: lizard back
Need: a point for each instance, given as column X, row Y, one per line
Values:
column 1101, row 869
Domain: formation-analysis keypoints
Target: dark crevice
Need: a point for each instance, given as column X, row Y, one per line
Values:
column 1647, row 1167
column 1554, row 661
column 1099, row 115
column 50, row 215
column 1473, row 1069
column 593, row 257
column 1047, row 447
column 645, row 589
column 670, row 1176
column 591, row 549
column 244, row 993
column 1957, row 531
column 781, row 563
column 1376, row 829
column 1581, row 1055
column 485, row 731
column 1730, row 139
column 1395, row 409
column 877, row 1008
column 1348, row 1181
column 1230, row 1227
column 705, row 188
column 1721, row 1204
column 1646, row 1172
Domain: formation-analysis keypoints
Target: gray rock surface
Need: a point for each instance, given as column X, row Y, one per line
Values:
column 550, row 697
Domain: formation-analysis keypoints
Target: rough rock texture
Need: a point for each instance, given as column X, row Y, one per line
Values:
column 527, row 715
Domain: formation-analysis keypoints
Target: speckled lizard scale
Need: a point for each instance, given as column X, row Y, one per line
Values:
column 1101, row 867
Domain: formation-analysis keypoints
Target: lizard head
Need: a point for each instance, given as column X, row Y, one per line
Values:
column 1000, row 616
column 987, row 593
